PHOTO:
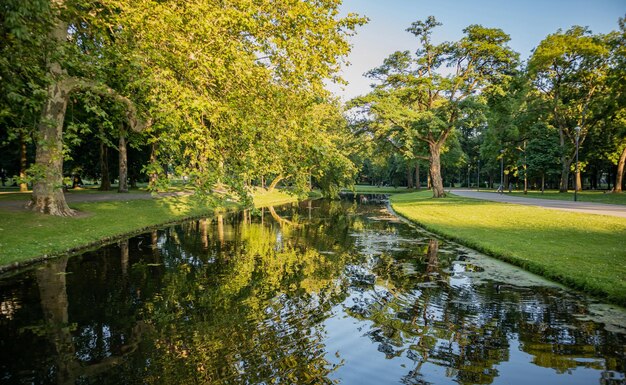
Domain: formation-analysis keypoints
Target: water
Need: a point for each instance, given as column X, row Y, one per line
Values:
column 317, row 293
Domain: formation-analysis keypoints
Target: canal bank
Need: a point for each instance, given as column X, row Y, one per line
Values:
column 582, row 251
column 27, row 237
column 317, row 292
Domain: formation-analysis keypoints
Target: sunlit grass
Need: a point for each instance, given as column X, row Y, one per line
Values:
column 584, row 196
column 25, row 235
column 580, row 250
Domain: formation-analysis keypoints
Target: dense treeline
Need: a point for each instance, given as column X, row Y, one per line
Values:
column 471, row 113
column 224, row 93
column 228, row 94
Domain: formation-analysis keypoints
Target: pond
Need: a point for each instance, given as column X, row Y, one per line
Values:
column 319, row 292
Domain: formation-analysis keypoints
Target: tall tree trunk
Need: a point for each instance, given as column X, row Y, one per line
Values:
column 566, row 163
column 435, row 170
column 619, row 179
column 153, row 159
column 579, row 184
column 409, row 177
column 48, row 195
column 123, row 162
column 23, row 163
column 275, row 182
column 429, row 183
column 525, row 181
column 543, row 181
column 105, row 185
column 418, row 185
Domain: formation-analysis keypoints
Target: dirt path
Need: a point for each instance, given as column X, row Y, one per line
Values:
column 580, row 207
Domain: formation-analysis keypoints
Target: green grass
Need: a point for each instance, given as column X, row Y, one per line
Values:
column 584, row 196
column 26, row 235
column 583, row 251
column 367, row 189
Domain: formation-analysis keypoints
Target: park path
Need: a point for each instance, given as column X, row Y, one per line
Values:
column 579, row 207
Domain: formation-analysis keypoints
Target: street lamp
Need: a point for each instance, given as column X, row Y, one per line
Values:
column 577, row 129
column 468, row 175
column 501, row 171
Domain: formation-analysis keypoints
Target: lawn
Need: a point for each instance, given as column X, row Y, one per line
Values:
column 584, row 196
column 368, row 189
column 25, row 235
column 583, row 251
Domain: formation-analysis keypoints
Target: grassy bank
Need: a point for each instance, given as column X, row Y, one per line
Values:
column 583, row 251
column 367, row 189
column 25, row 235
column 585, row 196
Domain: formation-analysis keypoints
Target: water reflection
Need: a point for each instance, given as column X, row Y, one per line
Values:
column 318, row 293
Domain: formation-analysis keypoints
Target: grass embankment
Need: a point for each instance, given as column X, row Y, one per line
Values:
column 368, row 189
column 26, row 236
column 584, row 196
column 583, row 251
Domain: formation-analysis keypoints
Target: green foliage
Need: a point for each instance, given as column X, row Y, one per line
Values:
column 418, row 102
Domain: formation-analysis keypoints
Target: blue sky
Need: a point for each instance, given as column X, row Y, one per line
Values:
column 527, row 22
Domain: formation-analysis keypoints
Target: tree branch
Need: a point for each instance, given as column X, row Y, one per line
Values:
column 134, row 121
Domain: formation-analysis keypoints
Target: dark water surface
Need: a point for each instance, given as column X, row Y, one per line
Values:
column 316, row 293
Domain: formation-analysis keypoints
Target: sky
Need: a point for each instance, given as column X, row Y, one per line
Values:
column 527, row 22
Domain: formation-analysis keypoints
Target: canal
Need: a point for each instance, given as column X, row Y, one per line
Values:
column 319, row 292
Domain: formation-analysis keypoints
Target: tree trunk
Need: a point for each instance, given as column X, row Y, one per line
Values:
column 48, row 195
column 23, row 163
column 429, row 183
column 153, row 159
column 105, row 185
column 435, row 170
column 418, row 185
column 579, row 184
column 409, row 177
column 275, row 182
column 543, row 181
column 565, row 170
column 619, row 179
column 123, row 161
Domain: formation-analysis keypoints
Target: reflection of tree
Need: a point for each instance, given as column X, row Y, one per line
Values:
column 253, row 311
column 245, row 302
column 465, row 329
column 54, row 303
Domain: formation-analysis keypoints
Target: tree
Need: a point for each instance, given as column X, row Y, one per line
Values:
column 569, row 70
column 63, row 56
column 429, row 94
column 23, row 28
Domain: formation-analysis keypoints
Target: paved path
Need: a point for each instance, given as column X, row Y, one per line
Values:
column 581, row 207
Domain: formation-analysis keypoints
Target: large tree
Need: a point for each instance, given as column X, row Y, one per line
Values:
column 204, row 72
column 569, row 69
column 71, row 66
column 430, row 93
